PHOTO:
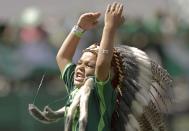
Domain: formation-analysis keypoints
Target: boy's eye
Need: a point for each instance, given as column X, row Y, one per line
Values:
column 91, row 65
column 79, row 63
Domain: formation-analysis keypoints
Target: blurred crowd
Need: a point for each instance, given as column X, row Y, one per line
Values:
column 28, row 50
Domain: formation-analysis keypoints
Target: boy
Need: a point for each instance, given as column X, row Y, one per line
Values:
column 92, row 97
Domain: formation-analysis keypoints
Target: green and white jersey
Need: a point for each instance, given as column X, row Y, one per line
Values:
column 101, row 102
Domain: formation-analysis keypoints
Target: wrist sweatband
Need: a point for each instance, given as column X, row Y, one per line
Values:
column 78, row 31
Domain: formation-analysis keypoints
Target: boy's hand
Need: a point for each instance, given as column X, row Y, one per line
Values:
column 50, row 114
column 88, row 20
column 113, row 15
column 38, row 114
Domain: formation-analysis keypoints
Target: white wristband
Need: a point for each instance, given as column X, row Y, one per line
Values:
column 78, row 31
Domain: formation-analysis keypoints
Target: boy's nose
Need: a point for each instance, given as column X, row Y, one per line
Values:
column 81, row 67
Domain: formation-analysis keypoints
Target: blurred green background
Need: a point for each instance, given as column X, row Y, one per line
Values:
column 31, row 32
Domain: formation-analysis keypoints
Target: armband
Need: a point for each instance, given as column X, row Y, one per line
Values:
column 78, row 31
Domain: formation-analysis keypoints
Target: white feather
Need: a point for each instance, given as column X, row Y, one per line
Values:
column 141, row 99
column 145, row 94
column 133, row 122
column 129, row 128
column 136, row 108
column 137, row 51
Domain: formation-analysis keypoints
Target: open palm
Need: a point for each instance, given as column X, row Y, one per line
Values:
column 88, row 20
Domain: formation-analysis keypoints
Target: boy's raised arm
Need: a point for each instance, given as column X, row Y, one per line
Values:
column 113, row 18
column 66, row 52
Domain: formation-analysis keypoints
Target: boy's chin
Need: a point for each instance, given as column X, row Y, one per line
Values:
column 78, row 84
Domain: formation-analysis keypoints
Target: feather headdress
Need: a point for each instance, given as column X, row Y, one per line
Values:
column 143, row 88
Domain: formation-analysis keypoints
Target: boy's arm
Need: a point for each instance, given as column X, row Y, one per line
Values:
column 113, row 18
column 66, row 52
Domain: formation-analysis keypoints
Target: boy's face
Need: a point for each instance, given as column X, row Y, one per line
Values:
column 85, row 67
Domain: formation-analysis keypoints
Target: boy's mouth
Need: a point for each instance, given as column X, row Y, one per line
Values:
column 79, row 77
